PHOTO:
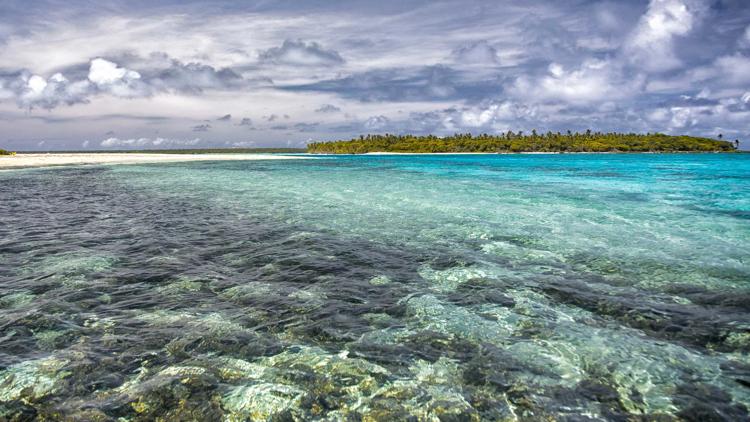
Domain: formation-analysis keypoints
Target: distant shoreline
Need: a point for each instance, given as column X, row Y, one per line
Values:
column 539, row 153
column 511, row 142
column 36, row 160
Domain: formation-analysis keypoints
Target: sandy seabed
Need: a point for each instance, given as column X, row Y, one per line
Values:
column 62, row 159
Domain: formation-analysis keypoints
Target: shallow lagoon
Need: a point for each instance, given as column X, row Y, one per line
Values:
column 451, row 287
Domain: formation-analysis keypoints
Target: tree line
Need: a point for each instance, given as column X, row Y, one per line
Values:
column 510, row 141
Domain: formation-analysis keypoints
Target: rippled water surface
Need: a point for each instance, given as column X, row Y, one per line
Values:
column 435, row 288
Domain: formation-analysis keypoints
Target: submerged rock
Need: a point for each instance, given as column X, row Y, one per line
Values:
column 380, row 280
column 301, row 382
column 449, row 279
column 248, row 291
column 32, row 380
column 182, row 285
column 433, row 314
column 72, row 269
column 432, row 393
column 52, row 339
column 260, row 401
column 174, row 393
column 16, row 300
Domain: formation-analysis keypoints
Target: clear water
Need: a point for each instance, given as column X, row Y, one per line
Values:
column 457, row 287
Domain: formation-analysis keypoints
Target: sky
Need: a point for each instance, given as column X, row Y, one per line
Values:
column 106, row 75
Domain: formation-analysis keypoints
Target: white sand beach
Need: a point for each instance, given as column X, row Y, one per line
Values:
column 63, row 159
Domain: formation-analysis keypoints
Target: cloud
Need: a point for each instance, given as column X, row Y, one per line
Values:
column 493, row 116
column 246, row 121
column 244, row 144
column 724, row 73
column 480, row 52
column 105, row 77
column 148, row 142
column 745, row 39
column 306, row 127
column 651, row 44
column 425, row 83
column 201, row 128
column 192, row 78
column 376, row 122
column 734, row 69
column 301, row 53
column 593, row 81
column 327, row 108
column 31, row 91
column 104, row 72
column 224, row 118
column 108, row 77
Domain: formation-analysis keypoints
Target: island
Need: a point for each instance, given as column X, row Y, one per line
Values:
column 517, row 142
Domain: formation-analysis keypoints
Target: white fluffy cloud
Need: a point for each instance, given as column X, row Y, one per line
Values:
column 498, row 116
column 108, row 77
column 651, row 45
column 104, row 72
column 147, row 142
column 675, row 117
column 593, row 81
column 31, row 90
column 376, row 123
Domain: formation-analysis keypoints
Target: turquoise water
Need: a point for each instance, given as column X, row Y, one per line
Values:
column 450, row 287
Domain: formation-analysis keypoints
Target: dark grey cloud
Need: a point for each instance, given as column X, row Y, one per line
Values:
column 224, row 118
column 306, row 127
column 480, row 52
column 192, row 78
column 301, row 53
column 327, row 108
column 427, row 83
column 132, row 118
column 246, row 121
column 201, row 128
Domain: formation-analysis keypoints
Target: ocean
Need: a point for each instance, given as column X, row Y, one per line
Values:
column 392, row 287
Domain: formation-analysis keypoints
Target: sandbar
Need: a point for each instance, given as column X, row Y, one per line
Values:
column 76, row 159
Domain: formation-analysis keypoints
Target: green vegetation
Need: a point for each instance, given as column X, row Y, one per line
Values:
column 518, row 142
column 4, row 152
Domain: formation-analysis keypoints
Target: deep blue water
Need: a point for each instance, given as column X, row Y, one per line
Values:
column 441, row 287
